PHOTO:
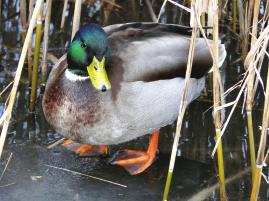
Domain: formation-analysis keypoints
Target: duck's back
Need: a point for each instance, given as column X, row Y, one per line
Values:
column 152, row 51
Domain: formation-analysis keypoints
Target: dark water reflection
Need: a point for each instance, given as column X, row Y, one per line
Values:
column 29, row 133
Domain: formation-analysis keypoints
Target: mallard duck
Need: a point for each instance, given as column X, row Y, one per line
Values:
column 121, row 82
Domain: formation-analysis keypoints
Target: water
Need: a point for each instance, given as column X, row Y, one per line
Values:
column 28, row 178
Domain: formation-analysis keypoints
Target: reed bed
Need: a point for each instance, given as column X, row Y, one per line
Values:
column 14, row 89
column 243, row 16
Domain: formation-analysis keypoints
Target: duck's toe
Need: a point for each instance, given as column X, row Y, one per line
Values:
column 85, row 150
column 133, row 161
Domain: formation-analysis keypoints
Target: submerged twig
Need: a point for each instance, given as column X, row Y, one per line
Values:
column 8, row 161
column 204, row 194
column 86, row 175
column 6, row 88
column 3, row 118
column 6, row 185
column 60, row 141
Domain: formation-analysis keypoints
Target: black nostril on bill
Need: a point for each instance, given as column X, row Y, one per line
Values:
column 103, row 89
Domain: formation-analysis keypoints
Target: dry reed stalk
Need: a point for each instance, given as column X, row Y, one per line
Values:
column 262, row 146
column 76, row 18
column 174, row 3
column 63, row 14
column 234, row 5
column 220, row 8
column 18, row 75
column 34, row 82
column 256, row 52
column 133, row 10
column 264, row 21
column 263, row 139
column 107, row 11
column 161, row 10
column 0, row 12
column 181, row 6
column 217, row 99
column 203, row 20
column 182, row 108
column 29, row 56
column 52, row 58
column 112, row 2
column 151, row 11
column 244, row 29
column 249, row 6
column 46, row 41
column 250, row 88
column 90, row 1
column 23, row 18
column 241, row 20
column 249, row 10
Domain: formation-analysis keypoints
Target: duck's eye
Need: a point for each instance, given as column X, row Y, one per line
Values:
column 95, row 68
column 83, row 45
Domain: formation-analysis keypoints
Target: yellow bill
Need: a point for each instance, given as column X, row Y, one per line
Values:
column 98, row 75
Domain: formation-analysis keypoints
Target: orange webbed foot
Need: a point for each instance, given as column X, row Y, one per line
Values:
column 85, row 150
column 136, row 162
column 133, row 161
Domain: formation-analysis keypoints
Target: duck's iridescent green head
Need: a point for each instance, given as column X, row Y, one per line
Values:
column 88, row 54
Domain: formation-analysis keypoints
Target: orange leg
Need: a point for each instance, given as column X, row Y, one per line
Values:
column 137, row 161
column 85, row 150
